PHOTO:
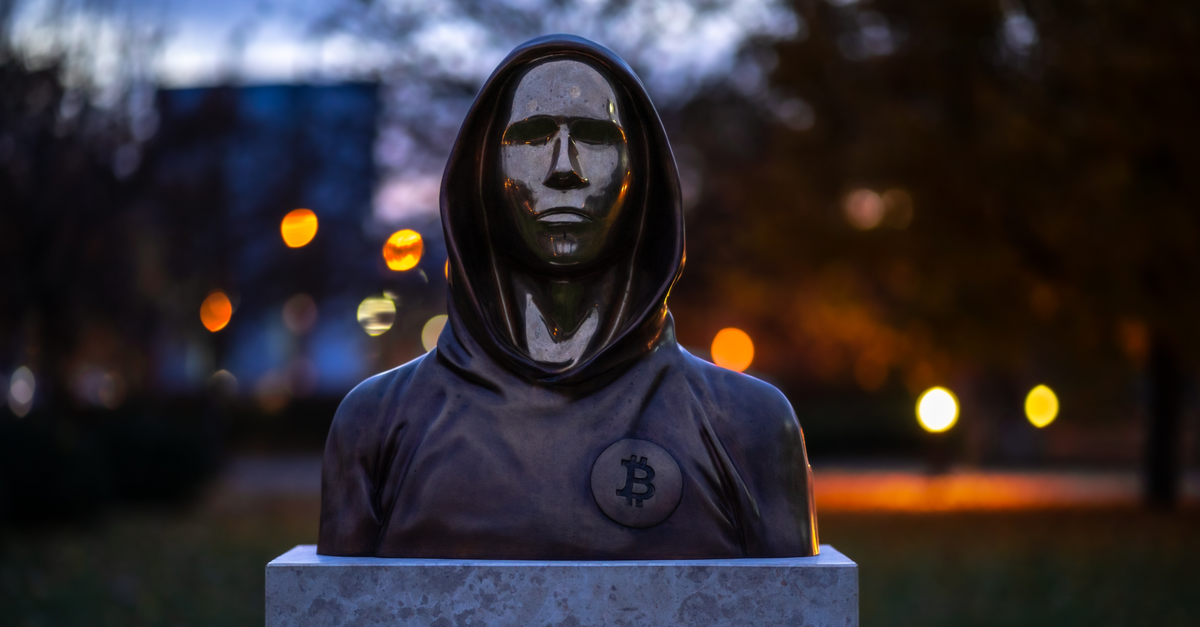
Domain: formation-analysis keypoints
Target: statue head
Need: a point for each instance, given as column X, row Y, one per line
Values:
column 564, row 165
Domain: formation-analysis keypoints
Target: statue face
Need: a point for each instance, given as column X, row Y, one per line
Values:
column 564, row 164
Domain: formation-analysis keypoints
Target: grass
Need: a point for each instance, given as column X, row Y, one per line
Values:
column 1063, row 568
column 204, row 566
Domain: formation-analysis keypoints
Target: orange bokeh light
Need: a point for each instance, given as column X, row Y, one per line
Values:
column 966, row 490
column 403, row 250
column 215, row 311
column 298, row 228
column 732, row 349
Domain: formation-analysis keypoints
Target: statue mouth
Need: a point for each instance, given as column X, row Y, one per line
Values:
column 564, row 214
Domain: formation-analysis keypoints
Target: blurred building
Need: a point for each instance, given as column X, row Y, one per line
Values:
column 120, row 389
column 225, row 167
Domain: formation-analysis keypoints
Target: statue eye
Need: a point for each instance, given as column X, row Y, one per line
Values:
column 592, row 131
column 537, row 130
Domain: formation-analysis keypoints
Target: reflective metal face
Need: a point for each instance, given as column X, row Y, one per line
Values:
column 564, row 163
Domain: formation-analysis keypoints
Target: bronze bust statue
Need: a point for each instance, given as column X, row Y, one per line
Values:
column 558, row 418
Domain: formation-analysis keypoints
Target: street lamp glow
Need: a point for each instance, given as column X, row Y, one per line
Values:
column 1041, row 406
column 937, row 410
column 215, row 311
column 376, row 314
column 298, row 228
column 432, row 331
column 403, row 250
column 732, row 349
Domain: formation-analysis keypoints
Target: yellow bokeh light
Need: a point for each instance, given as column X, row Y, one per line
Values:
column 732, row 349
column 215, row 311
column 298, row 228
column 1041, row 406
column 403, row 250
column 937, row 410
column 376, row 314
column 432, row 330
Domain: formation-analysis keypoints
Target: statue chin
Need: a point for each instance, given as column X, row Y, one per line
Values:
column 560, row 238
column 563, row 248
column 565, row 245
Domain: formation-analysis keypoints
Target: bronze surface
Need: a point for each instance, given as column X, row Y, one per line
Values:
column 636, row 483
column 558, row 418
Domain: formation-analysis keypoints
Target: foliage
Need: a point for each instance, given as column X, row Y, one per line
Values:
column 1045, row 151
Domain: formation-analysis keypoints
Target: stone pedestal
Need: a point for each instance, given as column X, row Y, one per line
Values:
column 304, row 588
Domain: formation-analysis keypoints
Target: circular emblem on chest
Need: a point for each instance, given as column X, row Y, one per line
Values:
column 636, row 483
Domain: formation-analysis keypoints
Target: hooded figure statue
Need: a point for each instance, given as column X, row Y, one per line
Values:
column 558, row 418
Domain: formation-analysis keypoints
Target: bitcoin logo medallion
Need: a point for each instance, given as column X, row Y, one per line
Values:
column 636, row 483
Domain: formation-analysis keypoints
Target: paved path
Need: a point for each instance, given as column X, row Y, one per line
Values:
column 957, row 490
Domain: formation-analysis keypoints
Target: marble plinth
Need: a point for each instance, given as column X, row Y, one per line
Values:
column 304, row 588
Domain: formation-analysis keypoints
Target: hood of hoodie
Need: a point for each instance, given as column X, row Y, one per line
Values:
column 650, row 259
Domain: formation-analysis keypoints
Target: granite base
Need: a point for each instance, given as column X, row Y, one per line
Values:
column 304, row 588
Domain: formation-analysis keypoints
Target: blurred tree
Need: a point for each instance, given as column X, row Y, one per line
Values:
column 1026, row 180
column 433, row 57
column 57, row 186
column 984, row 193
column 74, row 308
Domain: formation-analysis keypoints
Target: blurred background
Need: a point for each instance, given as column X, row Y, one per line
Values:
column 962, row 236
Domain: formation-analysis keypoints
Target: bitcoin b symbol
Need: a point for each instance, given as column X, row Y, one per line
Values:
column 632, row 467
column 650, row 494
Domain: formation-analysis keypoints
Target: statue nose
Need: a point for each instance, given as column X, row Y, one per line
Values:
column 564, row 168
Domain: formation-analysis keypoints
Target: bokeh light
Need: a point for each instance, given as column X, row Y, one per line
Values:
column 732, row 349
column 431, row 331
column 898, row 208
column 302, row 376
column 864, row 209
column 223, row 383
column 300, row 314
column 215, row 311
column 403, row 250
column 937, row 409
column 376, row 314
column 21, row 387
column 298, row 228
column 1041, row 406
column 272, row 391
column 98, row 386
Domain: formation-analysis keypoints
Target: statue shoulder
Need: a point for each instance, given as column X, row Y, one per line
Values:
column 761, row 437
column 355, row 452
column 374, row 401
column 745, row 408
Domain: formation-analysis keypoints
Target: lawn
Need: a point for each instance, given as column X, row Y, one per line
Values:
column 1074, row 567
column 203, row 565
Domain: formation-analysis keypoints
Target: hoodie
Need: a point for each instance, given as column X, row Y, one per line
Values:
column 475, row 450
